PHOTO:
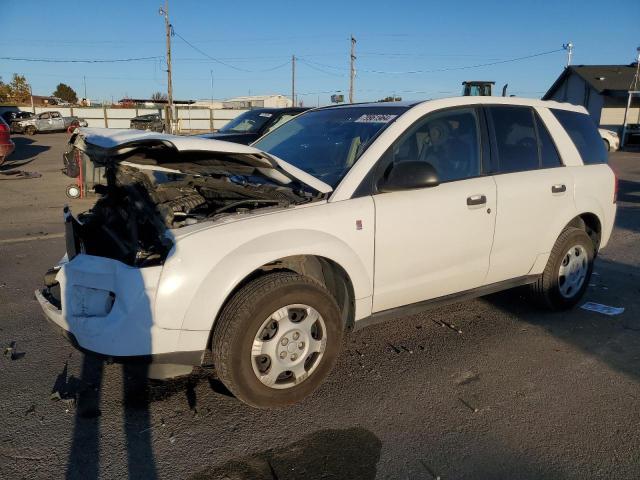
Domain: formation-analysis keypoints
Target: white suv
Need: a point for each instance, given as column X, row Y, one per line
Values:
column 342, row 217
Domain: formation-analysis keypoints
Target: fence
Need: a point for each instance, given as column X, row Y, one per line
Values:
column 187, row 119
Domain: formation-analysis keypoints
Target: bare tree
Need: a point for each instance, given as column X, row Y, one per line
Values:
column 159, row 96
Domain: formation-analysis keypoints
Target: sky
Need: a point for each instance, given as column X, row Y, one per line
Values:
column 412, row 49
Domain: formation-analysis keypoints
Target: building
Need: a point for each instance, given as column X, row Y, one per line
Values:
column 602, row 89
column 258, row 101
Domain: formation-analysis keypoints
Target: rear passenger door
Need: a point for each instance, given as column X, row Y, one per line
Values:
column 535, row 190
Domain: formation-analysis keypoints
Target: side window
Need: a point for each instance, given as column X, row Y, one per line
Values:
column 283, row 118
column 548, row 152
column 45, row 116
column 448, row 140
column 515, row 136
column 55, row 115
column 584, row 134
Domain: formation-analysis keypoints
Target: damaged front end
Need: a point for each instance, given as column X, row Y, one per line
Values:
column 103, row 292
column 154, row 187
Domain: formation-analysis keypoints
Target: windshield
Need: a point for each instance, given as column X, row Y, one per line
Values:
column 326, row 143
column 250, row 121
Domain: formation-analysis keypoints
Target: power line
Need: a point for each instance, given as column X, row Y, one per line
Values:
column 53, row 60
column 217, row 60
column 312, row 65
column 448, row 69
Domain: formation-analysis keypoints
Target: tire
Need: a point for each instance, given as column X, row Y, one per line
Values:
column 30, row 130
column 607, row 145
column 244, row 318
column 550, row 290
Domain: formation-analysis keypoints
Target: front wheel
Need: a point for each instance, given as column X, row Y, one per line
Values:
column 30, row 130
column 607, row 145
column 568, row 270
column 277, row 339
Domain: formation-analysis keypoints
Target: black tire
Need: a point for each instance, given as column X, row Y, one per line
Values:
column 30, row 130
column 546, row 290
column 607, row 145
column 238, row 325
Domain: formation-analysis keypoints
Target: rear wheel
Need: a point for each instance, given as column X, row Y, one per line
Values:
column 277, row 339
column 566, row 276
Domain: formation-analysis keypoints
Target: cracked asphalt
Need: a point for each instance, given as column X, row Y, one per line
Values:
column 488, row 389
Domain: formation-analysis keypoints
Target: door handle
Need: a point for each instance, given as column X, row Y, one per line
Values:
column 559, row 188
column 476, row 200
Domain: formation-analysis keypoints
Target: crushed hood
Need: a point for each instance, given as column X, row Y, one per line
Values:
column 105, row 145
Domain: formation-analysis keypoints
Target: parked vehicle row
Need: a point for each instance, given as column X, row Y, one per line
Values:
column 342, row 217
column 46, row 122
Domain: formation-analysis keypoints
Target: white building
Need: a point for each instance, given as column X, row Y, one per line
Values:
column 258, row 101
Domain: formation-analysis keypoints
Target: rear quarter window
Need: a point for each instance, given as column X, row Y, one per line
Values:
column 584, row 134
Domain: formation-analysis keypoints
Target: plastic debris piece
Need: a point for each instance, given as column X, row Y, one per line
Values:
column 604, row 309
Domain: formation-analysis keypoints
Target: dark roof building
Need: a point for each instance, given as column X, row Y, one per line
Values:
column 602, row 89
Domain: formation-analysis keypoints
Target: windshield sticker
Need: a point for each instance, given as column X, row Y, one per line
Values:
column 375, row 118
column 267, row 115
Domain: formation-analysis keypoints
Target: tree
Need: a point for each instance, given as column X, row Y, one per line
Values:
column 66, row 93
column 5, row 91
column 158, row 96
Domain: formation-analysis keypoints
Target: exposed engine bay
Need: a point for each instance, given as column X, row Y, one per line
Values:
column 141, row 203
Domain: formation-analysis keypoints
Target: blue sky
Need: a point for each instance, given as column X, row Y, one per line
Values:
column 398, row 36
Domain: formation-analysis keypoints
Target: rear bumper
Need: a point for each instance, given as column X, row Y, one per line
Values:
column 106, row 309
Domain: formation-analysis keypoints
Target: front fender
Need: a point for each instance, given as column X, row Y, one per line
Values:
column 208, row 265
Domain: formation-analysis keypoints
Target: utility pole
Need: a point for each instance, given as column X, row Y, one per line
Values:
column 84, row 81
column 211, row 72
column 569, row 48
column 352, row 68
column 293, row 80
column 164, row 11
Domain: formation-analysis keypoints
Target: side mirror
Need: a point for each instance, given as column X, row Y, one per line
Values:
column 409, row 176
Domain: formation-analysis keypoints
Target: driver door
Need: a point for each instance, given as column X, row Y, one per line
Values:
column 435, row 241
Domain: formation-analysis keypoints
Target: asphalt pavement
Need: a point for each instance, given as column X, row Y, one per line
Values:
column 486, row 389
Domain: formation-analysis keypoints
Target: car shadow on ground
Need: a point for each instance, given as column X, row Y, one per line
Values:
column 351, row 453
column 26, row 151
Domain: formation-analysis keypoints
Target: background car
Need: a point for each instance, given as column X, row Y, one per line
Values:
column 6, row 145
column 47, row 122
column 15, row 116
column 610, row 139
column 152, row 122
column 249, row 126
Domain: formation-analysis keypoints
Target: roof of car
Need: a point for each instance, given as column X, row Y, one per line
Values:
column 465, row 100
column 280, row 109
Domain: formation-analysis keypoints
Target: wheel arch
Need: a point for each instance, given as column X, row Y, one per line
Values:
column 590, row 223
column 315, row 254
column 323, row 270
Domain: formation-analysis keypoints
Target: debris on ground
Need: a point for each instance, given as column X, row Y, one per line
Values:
column 12, row 352
column 395, row 349
column 31, row 409
column 468, row 377
column 448, row 325
column 468, row 405
column 600, row 308
column 18, row 175
column 430, row 470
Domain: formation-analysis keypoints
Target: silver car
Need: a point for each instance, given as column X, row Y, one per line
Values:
column 47, row 122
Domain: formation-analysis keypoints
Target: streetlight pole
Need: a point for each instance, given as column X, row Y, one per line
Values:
column 293, row 80
column 352, row 69
column 164, row 11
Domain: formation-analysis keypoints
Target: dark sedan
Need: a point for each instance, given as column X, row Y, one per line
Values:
column 249, row 126
column 152, row 122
